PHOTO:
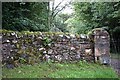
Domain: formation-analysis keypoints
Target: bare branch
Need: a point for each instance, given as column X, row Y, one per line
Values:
column 58, row 5
column 53, row 9
column 53, row 5
column 61, row 9
column 58, row 11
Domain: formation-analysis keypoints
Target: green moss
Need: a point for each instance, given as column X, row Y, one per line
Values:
column 90, row 35
column 34, row 33
column 22, row 60
column 97, row 29
column 17, row 45
column 20, row 51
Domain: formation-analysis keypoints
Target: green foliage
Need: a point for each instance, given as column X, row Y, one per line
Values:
column 59, row 23
column 46, row 41
column 25, row 16
column 74, row 25
column 22, row 60
column 94, row 15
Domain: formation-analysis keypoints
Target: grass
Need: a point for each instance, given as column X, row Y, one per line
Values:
column 115, row 55
column 60, row 70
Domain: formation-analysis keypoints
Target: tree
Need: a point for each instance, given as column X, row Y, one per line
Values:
column 29, row 16
column 105, row 14
column 100, row 15
column 55, row 10
column 60, row 22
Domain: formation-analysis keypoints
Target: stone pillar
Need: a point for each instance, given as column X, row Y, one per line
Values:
column 101, row 46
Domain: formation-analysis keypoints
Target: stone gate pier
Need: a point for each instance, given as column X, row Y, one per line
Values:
column 101, row 45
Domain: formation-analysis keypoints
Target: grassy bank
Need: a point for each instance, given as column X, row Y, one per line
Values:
column 57, row 70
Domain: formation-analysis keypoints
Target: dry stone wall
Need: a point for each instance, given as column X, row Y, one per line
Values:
column 35, row 47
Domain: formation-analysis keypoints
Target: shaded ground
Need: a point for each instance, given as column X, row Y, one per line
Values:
column 115, row 63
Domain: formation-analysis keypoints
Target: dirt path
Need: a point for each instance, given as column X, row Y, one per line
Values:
column 115, row 63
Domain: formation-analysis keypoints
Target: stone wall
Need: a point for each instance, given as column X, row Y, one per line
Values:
column 35, row 47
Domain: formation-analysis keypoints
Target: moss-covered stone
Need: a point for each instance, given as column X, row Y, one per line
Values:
column 40, row 46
